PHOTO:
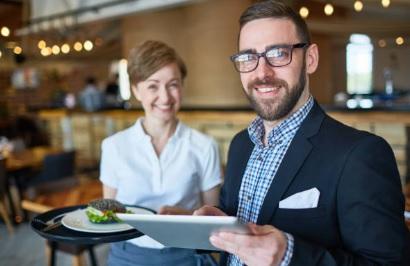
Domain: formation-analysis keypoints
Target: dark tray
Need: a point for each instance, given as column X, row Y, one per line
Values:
column 63, row 234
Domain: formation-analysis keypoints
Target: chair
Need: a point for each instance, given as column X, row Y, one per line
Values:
column 56, row 168
column 3, row 191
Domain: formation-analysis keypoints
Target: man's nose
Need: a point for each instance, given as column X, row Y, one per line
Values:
column 264, row 69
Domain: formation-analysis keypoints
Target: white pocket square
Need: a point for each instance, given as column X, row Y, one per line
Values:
column 301, row 200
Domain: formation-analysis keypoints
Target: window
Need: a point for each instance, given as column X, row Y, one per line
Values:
column 359, row 57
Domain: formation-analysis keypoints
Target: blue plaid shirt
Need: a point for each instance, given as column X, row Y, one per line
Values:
column 262, row 167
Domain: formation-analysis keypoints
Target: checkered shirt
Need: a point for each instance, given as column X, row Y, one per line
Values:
column 262, row 167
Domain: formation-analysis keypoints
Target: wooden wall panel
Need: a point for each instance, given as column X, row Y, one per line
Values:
column 205, row 35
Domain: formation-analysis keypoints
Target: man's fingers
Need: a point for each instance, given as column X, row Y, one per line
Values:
column 225, row 243
column 260, row 230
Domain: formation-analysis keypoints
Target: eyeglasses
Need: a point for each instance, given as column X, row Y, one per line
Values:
column 276, row 56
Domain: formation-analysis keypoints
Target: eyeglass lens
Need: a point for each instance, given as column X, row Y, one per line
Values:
column 277, row 56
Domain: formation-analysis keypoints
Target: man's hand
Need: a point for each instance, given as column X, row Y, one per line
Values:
column 173, row 210
column 209, row 210
column 266, row 245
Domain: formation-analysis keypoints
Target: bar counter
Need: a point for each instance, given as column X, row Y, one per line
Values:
column 84, row 131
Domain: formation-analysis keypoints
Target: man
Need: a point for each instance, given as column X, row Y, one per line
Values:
column 314, row 191
column 91, row 97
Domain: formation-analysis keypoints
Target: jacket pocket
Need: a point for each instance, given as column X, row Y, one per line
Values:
column 300, row 213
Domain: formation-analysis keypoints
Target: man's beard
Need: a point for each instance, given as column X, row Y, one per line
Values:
column 274, row 109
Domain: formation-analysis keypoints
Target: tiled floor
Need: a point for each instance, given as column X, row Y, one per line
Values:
column 26, row 248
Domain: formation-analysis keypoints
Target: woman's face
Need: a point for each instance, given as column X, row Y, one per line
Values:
column 160, row 93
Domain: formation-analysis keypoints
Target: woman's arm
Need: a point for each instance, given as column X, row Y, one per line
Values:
column 109, row 192
column 209, row 197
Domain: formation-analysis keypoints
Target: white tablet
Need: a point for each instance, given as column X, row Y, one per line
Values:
column 183, row 231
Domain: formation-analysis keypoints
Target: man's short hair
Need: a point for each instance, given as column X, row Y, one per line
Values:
column 276, row 9
column 148, row 57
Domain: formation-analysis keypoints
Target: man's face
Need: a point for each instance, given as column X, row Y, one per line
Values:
column 274, row 92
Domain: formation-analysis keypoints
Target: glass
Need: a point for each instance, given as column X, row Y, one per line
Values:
column 276, row 56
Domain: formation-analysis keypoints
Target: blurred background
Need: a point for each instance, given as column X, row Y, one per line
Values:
column 50, row 50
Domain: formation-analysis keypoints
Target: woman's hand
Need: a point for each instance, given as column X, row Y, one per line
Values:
column 173, row 210
column 209, row 210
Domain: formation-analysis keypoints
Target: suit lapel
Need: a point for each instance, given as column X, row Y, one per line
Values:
column 294, row 158
column 240, row 166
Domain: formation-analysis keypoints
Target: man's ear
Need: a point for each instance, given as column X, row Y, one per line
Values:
column 136, row 92
column 312, row 58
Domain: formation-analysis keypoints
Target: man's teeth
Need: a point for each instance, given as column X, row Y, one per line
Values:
column 266, row 89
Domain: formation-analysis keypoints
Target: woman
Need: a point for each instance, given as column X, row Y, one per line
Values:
column 159, row 162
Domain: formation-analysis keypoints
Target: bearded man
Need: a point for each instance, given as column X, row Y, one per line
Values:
column 312, row 190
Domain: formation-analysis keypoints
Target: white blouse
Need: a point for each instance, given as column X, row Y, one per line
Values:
column 188, row 165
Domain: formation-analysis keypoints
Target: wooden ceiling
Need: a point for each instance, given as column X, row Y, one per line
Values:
column 373, row 20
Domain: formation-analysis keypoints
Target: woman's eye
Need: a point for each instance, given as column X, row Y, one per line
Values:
column 173, row 85
column 152, row 87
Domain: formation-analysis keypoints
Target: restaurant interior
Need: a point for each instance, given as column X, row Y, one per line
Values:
column 50, row 143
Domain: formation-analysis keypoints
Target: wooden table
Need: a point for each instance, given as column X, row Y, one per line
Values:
column 29, row 158
column 81, row 193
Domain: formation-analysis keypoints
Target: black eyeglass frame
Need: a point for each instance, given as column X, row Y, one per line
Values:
column 263, row 54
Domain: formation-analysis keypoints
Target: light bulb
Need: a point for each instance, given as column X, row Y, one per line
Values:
column 46, row 51
column 55, row 49
column 328, row 9
column 358, row 6
column 399, row 40
column 17, row 50
column 41, row 44
column 5, row 32
column 385, row 3
column 78, row 46
column 65, row 48
column 88, row 45
column 304, row 12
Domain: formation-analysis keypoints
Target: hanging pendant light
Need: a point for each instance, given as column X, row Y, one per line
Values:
column 304, row 12
column 385, row 3
column 328, row 9
column 358, row 5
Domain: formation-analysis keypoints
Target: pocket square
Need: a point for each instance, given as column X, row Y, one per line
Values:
column 301, row 200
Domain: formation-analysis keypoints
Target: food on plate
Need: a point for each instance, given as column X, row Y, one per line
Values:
column 104, row 210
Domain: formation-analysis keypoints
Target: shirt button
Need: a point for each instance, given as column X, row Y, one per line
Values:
column 248, row 198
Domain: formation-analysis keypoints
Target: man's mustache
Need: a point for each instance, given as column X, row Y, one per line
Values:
column 267, row 82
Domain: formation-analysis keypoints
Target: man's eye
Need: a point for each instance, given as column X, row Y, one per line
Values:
column 277, row 53
column 245, row 57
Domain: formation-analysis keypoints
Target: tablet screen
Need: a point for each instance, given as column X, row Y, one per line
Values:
column 183, row 231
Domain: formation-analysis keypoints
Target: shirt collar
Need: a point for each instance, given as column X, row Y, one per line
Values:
column 140, row 133
column 256, row 129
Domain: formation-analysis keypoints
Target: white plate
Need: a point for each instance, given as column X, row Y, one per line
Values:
column 78, row 221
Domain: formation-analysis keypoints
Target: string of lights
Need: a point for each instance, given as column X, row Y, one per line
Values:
column 358, row 6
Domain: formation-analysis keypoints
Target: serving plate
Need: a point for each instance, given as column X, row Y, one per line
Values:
column 78, row 221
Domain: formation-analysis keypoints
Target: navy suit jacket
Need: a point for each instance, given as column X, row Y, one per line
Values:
column 359, row 219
